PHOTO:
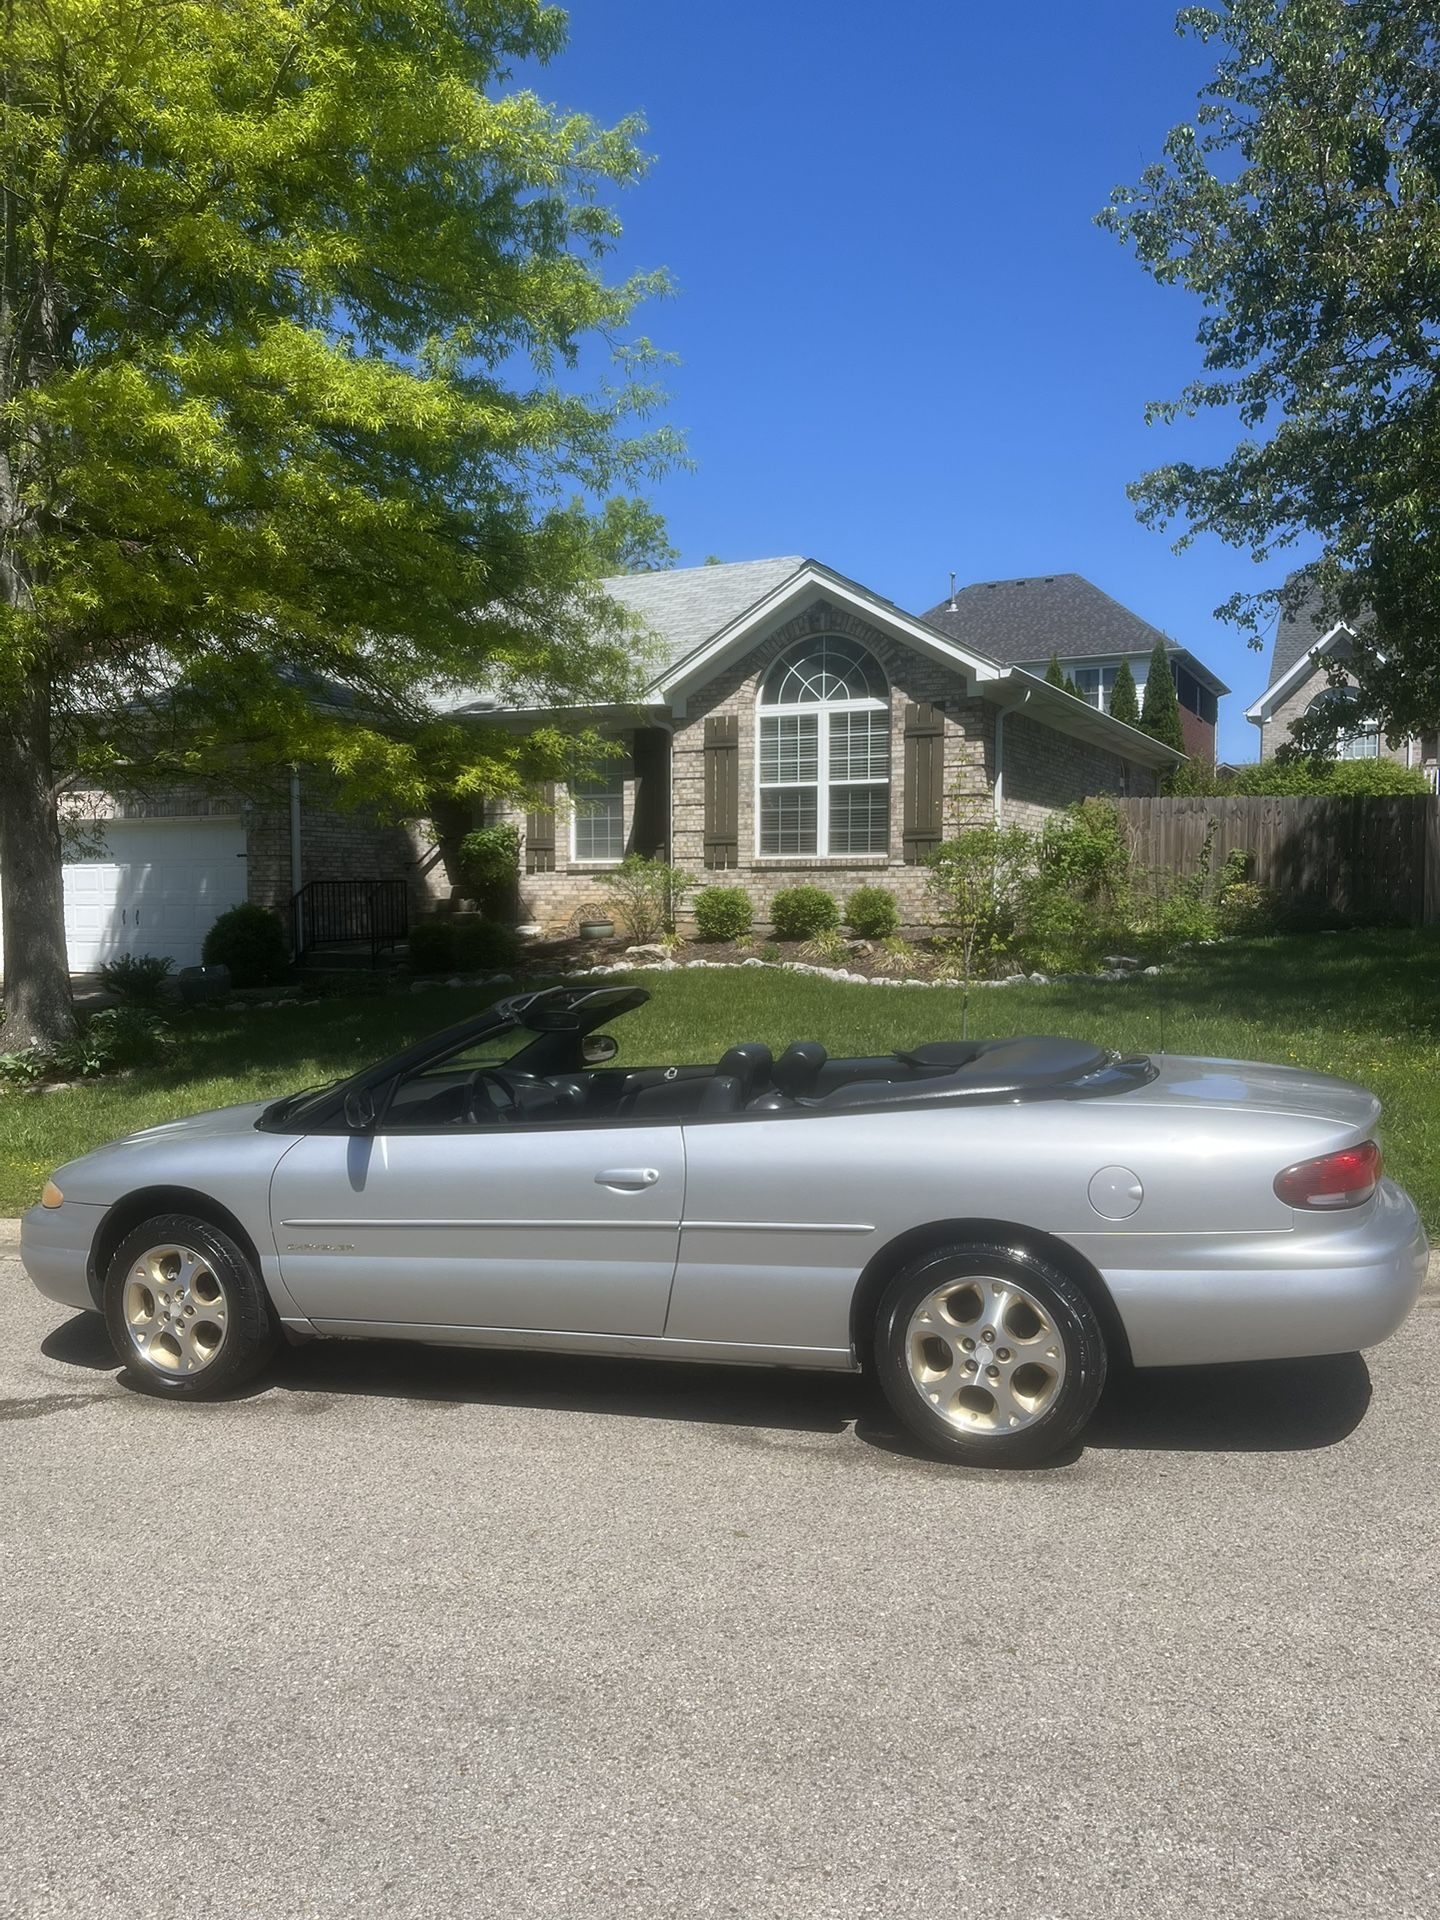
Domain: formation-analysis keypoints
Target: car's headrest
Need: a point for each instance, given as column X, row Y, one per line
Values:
column 750, row 1064
column 798, row 1068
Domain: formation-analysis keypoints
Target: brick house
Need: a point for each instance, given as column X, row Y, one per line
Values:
column 1308, row 644
column 1026, row 623
column 799, row 728
column 796, row 728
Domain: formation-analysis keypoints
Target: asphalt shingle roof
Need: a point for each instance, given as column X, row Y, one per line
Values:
column 1297, row 632
column 1020, row 621
column 686, row 606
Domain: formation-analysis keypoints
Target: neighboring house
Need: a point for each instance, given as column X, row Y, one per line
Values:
column 799, row 728
column 1026, row 623
column 1308, row 645
column 796, row 728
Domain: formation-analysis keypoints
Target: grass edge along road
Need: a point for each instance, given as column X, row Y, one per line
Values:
column 1363, row 1005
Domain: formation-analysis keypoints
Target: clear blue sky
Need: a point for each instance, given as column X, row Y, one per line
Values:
column 905, row 346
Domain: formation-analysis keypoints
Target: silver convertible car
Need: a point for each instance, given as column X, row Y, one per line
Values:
column 986, row 1224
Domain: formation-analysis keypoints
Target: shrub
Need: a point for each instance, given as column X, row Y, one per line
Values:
column 137, row 978
column 462, row 943
column 897, row 955
column 975, row 882
column 828, row 949
column 799, row 913
column 871, row 912
column 106, row 1042
column 1304, row 776
column 723, row 913
column 1076, row 901
column 485, row 946
column 250, row 941
column 1176, row 911
column 644, row 895
column 489, row 866
column 434, row 947
column 1244, row 907
column 1299, row 774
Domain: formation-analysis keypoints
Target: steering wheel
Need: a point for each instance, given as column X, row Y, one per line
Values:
column 510, row 1083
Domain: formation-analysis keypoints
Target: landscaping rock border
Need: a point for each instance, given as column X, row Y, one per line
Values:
column 848, row 978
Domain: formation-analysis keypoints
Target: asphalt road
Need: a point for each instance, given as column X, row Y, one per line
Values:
column 428, row 1633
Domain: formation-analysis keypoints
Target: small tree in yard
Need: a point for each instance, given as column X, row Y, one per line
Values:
column 975, row 882
column 1124, row 700
column 1055, row 673
column 1160, row 711
column 645, row 896
column 292, row 303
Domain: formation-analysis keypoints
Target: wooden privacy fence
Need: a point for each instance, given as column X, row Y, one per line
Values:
column 1367, row 858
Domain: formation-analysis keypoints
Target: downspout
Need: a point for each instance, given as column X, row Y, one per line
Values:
column 296, row 877
column 999, row 787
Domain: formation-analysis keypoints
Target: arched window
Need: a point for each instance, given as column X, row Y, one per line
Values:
column 1358, row 742
column 824, row 761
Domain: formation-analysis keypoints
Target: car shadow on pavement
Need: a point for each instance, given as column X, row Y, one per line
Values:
column 1277, row 1406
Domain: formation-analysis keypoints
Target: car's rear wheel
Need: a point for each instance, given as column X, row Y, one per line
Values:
column 989, row 1354
column 186, row 1311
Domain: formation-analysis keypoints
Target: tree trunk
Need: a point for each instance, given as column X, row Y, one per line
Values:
column 38, row 1010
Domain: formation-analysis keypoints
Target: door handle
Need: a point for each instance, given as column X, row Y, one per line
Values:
column 628, row 1179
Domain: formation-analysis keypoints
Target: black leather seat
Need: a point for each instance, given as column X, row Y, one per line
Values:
column 684, row 1099
column 798, row 1068
column 751, row 1065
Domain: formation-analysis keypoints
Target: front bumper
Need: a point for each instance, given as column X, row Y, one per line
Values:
column 1330, row 1286
column 55, row 1245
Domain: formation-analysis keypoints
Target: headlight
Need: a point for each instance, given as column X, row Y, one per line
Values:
column 50, row 1195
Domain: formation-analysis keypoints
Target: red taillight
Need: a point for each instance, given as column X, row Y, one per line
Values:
column 1344, row 1179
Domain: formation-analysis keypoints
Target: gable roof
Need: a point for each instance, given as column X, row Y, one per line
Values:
column 1300, row 632
column 686, row 606
column 1302, row 635
column 1020, row 622
column 792, row 581
column 700, row 616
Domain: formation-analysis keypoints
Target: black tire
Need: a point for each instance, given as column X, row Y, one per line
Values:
column 921, row 1365
column 172, row 1349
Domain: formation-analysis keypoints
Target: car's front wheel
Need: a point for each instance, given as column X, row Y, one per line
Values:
column 186, row 1311
column 989, row 1354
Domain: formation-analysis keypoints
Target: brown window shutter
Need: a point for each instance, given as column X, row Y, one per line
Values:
column 924, row 781
column 540, row 835
column 722, row 790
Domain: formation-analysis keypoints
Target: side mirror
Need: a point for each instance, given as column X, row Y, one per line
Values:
column 359, row 1110
column 597, row 1048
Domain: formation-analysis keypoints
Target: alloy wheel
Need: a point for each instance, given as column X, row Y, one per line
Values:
column 986, row 1355
column 175, row 1310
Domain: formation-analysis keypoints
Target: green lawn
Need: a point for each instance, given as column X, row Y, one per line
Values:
column 1364, row 1005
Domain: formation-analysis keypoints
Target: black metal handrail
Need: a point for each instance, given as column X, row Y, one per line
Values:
column 329, row 913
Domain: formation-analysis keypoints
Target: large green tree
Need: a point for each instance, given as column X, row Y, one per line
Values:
column 299, row 303
column 1302, row 206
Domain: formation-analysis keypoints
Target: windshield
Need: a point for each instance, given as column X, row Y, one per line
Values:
column 492, row 1049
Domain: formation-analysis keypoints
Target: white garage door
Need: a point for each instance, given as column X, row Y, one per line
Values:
column 156, row 888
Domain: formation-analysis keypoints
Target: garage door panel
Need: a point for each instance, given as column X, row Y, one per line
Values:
column 155, row 886
column 158, row 889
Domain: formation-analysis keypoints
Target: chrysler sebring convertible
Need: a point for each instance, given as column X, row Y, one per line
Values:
column 984, row 1224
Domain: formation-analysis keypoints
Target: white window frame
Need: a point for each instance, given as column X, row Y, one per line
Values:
column 1360, row 742
column 577, row 859
column 821, row 711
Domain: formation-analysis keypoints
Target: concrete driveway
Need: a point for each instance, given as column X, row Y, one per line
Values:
column 428, row 1633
